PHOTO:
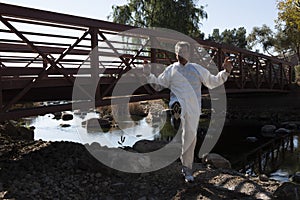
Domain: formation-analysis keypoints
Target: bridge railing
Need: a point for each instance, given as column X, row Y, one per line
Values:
column 41, row 53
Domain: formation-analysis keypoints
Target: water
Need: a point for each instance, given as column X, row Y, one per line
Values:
column 49, row 129
column 276, row 158
column 290, row 164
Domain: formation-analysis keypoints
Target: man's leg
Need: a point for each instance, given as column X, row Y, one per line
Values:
column 189, row 139
column 187, row 157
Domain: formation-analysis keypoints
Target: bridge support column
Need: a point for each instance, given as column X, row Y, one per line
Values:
column 95, row 63
column 1, row 95
column 242, row 74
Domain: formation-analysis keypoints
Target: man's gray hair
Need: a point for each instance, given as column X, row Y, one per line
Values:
column 181, row 44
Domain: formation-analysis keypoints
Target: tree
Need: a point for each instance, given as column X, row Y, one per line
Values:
column 216, row 37
column 286, row 41
column 180, row 15
column 288, row 22
column 262, row 36
column 236, row 37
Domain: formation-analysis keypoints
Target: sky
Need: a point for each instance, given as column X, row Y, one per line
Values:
column 227, row 14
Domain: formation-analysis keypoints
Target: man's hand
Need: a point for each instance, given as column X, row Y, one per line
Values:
column 227, row 65
column 146, row 69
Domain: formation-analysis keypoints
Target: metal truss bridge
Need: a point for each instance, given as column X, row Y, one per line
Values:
column 43, row 54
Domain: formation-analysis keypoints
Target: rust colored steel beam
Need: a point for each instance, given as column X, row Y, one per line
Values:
column 16, row 114
column 20, row 48
column 53, row 17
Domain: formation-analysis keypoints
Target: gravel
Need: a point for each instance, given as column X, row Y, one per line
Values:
column 65, row 170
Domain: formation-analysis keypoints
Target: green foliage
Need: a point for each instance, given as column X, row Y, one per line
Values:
column 180, row 15
column 286, row 41
column 288, row 23
column 236, row 37
column 263, row 36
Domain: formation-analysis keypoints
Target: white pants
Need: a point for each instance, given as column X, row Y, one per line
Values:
column 189, row 124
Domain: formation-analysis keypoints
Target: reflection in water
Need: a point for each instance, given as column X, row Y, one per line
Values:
column 278, row 158
column 49, row 129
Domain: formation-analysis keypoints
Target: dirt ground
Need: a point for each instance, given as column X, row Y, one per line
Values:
column 66, row 170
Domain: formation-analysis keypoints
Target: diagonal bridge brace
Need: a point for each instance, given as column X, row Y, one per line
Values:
column 44, row 56
column 127, row 65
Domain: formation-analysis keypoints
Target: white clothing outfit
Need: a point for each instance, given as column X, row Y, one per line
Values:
column 185, row 84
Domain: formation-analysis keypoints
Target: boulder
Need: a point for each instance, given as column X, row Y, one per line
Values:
column 296, row 177
column 137, row 109
column 18, row 132
column 65, row 125
column 57, row 115
column 216, row 160
column 268, row 131
column 291, row 125
column 26, row 133
column 144, row 146
column 263, row 178
column 287, row 191
column 66, row 116
column 94, row 124
column 283, row 131
column 251, row 139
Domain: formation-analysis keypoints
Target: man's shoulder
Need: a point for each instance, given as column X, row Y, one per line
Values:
column 197, row 66
column 175, row 64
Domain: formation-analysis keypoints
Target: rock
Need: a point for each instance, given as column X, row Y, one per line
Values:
column 94, row 124
column 26, row 134
column 291, row 125
column 64, row 125
column 296, row 177
column 216, row 160
column 268, row 131
column 16, row 132
column 57, row 115
column 137, row 109
column 98, row 175
column 286, row 191
column 251, row 139
column 263, row 178
column 66, row 116
column 144, row 146
column 283, row 131
column 80, row 113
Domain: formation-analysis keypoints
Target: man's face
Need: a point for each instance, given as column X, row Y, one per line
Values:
column 183, row 55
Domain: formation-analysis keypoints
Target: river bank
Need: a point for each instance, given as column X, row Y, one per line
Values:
column 37, row 169
column 65, row 170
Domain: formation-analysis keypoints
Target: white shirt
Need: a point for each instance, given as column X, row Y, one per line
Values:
column 185, row 84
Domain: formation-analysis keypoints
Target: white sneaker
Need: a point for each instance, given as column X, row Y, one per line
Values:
column 188, row 174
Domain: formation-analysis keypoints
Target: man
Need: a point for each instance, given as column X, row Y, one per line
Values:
column 184, row 79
